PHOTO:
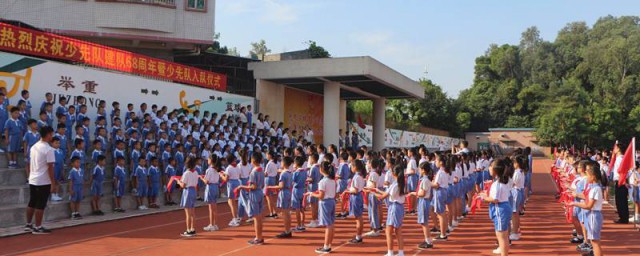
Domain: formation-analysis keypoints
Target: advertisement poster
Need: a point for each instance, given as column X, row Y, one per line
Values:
column 304, row 111
column 404, row 139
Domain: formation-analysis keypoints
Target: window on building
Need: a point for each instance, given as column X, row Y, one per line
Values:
column 200, row 5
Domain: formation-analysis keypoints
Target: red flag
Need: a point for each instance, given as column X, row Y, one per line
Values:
column 360, row 123
column 555, row 152
column 613, row 158
column 628, row 162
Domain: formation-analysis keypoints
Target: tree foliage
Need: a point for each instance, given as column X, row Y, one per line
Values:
column 580, row 88
column 316, row 51
column 259, row 50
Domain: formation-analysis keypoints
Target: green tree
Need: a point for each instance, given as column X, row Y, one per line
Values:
column 316, row 51
column 259, row 50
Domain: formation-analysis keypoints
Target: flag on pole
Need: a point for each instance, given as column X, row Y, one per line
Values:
column 613, row 159
column 628, row 162
column 361, row 123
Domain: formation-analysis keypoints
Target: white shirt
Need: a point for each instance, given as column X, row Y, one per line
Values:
column 190, row 179
column 245, row 170
column 328, row 186
column 388, row 178
column 394, row 194
column 518, row 179
column 271, row 169
column 499, row 191
column 357, row 182
column 372, row 180
column 41, row 155
column 596, row 194
column 233, row 172
column 411, row 166
column 426, row 186
column 442, row 178
column 286, row 141
column 616, row 166
column 212, row 176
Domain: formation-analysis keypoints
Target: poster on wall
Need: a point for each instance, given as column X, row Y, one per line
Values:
column 403, row 139
column 18, row 72
column 304, row 111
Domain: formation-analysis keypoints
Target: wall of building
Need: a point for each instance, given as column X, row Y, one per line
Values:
column 506, row 140
column 113, row 18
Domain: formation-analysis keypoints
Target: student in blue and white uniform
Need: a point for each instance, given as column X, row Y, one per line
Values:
column 593, row 205
column 231, row 175
column 355, row 197
column 245, row 171
column 327, row 188
column 395, row 212
column 141, row 182
column 255, row 201
column 517, row 191
column 299, row 177
column 313, row 179
column 96, row 181
column 424, row 195
column 440, row 185
column 283, row 203
column 499, row 208
column 342, row 178
column 271, row 172
column 412, row 177
column 119, row 180
column 212, row 190
column 372, row 201
column 188, row 183
column 76, row 184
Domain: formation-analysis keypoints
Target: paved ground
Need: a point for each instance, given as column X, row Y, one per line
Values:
column 544, row 228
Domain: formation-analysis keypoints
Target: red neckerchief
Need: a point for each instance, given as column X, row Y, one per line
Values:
column 193, row 170
column 234, row 164
column 586, row 191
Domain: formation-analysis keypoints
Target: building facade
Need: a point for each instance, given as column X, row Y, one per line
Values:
column 158, row 28
column 504, row 140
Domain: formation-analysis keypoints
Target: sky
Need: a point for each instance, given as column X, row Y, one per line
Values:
column 438, row 40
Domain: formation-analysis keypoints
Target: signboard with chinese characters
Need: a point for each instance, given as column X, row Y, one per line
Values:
column 42, row 44
column 304, row 111
column 19, row 72
column 403, row 139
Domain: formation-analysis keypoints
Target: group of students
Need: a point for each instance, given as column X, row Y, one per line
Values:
column 336, row 184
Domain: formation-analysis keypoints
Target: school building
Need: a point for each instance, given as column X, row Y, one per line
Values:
column 504, row 140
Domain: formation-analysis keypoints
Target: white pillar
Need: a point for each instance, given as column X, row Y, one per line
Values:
column 331, row 116
column 379, row 106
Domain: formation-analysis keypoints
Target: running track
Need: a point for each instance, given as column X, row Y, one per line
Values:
column 544, row 233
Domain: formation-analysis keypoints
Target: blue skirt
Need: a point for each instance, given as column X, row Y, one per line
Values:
column 450, row 194
column 501, row 215
column 96, row 188
column 423, row 211
column 527, row 180
column 518, row 199
column 440, row 200
column 188, row 198
column 270, row 181
column 77, row 193
column 372, row 209
column 211, row 193
column 593, row 224
column 356, row 205
column 284, row 199
column 231, row 186
column 327, row 212
column 412, row 183
column 296, row 198
column 395, row 214
column 635, row 194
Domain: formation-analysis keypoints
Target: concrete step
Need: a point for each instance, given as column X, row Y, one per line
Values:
column 18, row 194
column 19, row 176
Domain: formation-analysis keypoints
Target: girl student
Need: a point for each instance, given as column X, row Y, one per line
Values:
column 593, row 205
column 245, row 170
column 254, row 204
column 468, row 160
column 212, row 190
column 299, row 177
column 499, row 208
column 412, row 177
column 440, row 184
column 634, row 182
column 424, row 196
column 373, row 202
column 271, row 172
column 577, row 187
column 342, row 177
column 313, row 179
column 452, row 189
column 518, row 192
column 284, row 196
column 395, row 212
column 188, row 183
column 356, row 201
column 231, row 175
column 326, row 195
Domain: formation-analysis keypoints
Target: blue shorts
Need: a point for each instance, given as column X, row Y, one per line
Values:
column 450, row 197
column 372, row 210
column 310, row 199
column 255, row 203
column 143, row 190
column 14, row 144
column 412, row 183
column 635, row 194
column 342, row 186
column 356, row 205
column 231, row 186
column 327, row 212
column 518, row 199
column 154, row 190
column 188, row 199
column 211, row 193
column 440, row 200
column 501, row 215
column 593, row 225
column 270, row 181
column 284, row 199
column 527, row 180
column 77, row 193
column 395, row 214
column 297, row 195
column 423, row 211
column 96, row 188
column 119, row 189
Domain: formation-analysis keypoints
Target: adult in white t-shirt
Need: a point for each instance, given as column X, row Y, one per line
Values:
column 41, row 181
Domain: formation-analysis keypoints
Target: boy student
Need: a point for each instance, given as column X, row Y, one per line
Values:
column 30, row 138
column 96, row 180
column 4, row 116
column 12, row 136
column 119, row 179
column 58, row 167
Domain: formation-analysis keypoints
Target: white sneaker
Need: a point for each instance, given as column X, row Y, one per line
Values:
column 56, row 198
column 142, row 207
column 215, row 228
column 233, row 223
column 514, row 236
column 312, row 224
column 389, row 254
column 1, row 150
column 451, row 228
column 497, row 251
column 400, row 254
column 467, row 209
column 454, row 223
column 248, row 221
column 372, row 233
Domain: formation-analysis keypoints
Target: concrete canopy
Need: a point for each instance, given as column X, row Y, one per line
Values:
column 359, row 77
